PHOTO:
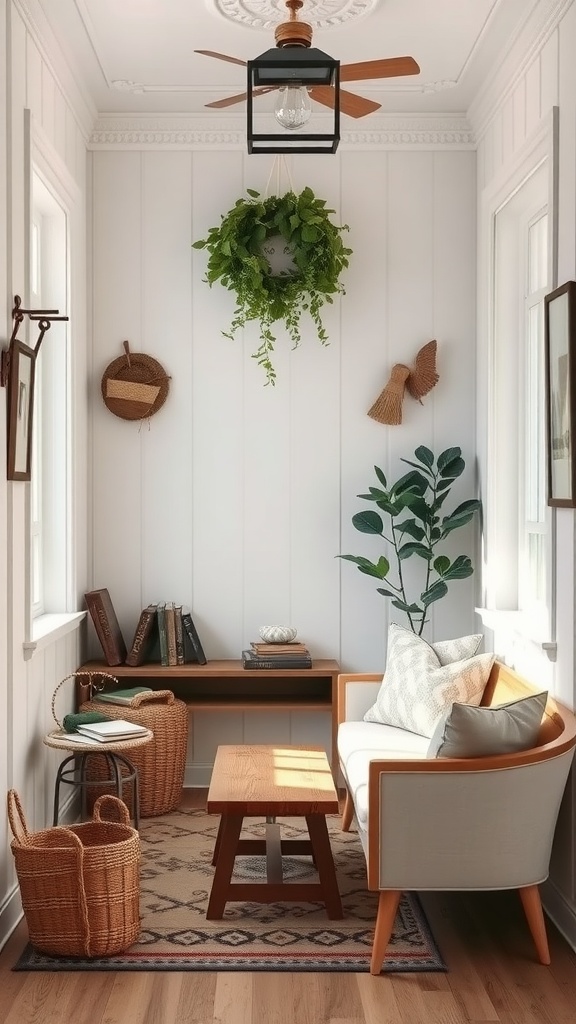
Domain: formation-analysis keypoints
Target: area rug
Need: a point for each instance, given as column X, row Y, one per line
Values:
column 176, row 876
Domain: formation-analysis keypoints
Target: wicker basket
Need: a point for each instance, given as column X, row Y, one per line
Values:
column 161, row 763
column 80, row 884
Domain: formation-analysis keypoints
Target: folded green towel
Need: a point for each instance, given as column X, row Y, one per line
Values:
column 71, row 722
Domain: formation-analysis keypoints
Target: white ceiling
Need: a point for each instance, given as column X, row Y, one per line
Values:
column 138, row 55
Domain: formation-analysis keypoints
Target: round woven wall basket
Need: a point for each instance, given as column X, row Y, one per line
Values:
column 134, row 386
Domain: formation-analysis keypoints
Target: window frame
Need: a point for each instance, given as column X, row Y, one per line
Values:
column 40, row 158
column 499, row 609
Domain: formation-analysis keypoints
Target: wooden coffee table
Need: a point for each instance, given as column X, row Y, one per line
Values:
column 272, row 781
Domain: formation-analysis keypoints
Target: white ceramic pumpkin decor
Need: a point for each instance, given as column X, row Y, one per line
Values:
column 277, row 634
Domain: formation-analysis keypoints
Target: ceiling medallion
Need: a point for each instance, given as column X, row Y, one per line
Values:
column 264, row 14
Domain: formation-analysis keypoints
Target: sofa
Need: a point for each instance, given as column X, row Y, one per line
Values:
column 452, row 823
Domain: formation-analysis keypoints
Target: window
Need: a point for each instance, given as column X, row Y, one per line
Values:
column 49, row 545
column 518, row 561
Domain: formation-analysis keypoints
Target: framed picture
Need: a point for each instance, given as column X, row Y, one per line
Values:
column 20, row 409
column 560, row 350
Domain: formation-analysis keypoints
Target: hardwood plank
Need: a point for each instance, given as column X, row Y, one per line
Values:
column 378, row 998
column 233, row 999
column 462, row 977
column 196, row 1003
column 274, row 998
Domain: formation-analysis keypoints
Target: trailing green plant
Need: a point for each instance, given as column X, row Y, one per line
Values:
column 413, row 505
column 238, row 261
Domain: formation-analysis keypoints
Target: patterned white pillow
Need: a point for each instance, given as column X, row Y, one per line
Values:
column 420, row 684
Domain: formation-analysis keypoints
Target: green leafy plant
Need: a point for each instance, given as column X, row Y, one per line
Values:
column 413, row 505
column 238, row 261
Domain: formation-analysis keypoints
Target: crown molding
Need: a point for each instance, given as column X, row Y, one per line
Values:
column 524, row 47
column 205, row 131
column 81, row 103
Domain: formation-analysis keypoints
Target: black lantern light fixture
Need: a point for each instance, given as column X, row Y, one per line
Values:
column 296, row 72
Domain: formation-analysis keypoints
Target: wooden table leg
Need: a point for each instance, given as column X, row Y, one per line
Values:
column 218, row 840
column 228, row 835
column 325, row 864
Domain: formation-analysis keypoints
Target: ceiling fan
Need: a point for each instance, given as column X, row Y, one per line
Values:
column 295, row 33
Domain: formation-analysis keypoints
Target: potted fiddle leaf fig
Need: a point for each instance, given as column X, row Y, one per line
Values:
column 417, row 524
column 310, row 277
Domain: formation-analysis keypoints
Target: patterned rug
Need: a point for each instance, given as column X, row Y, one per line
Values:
column 176, row 876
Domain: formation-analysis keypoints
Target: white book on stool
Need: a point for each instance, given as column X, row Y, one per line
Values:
column 107, row 732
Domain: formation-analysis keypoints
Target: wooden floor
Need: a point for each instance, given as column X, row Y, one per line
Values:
column 492, row 976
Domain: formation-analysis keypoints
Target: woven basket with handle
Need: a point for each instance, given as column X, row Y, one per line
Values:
column 80, row 885
column 161, row 763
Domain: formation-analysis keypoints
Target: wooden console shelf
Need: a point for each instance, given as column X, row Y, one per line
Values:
column 224, row 685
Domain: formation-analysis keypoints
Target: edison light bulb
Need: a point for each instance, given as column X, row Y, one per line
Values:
column 293, row 107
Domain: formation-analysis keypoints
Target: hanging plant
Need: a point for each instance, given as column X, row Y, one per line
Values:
column 238, row 259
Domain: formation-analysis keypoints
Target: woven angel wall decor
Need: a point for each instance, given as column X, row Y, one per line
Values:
column 418, row 380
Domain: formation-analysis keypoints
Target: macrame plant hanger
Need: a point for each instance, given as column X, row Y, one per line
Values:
column 279, row 165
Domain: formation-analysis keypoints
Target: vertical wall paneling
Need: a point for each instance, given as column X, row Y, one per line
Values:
column 60, row 124
column 508, row 131
column 48, row 103
column 268, row 443
column 367, row 355
column 314, row 454
column 454, row 329
column 519, row 101
column 533, row 93
column 117, row 443
column 216, row 463
column 164, row 502
column 549, row 74
column 33, row 66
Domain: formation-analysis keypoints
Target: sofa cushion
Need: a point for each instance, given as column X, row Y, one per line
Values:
column 362, row 742
column 418, row 688
column 465, row 731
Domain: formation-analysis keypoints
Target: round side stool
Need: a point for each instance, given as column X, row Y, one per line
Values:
column 73, row 770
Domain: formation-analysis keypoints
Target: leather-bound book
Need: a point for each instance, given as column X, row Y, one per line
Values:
column 106, row 625
column 143, row 636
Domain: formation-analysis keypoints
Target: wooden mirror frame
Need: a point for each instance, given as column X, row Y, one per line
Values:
column 560, row 357
column 20, row 410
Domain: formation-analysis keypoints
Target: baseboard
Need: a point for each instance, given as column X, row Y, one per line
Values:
column 197, row 776
column 560, row 911
column 10, row 915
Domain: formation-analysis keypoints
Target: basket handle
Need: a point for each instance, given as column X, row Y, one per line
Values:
column 16, row 816
column 165, row 696
column 118, row 805
column 104, row 676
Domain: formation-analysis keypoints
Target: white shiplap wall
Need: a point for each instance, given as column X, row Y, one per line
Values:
column 40, row 83
column 507, row 116
column 236, row 498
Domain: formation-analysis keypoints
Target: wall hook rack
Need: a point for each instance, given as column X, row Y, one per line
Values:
column 43, row 317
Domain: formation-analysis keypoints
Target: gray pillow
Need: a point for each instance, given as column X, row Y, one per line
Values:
column 468, row 731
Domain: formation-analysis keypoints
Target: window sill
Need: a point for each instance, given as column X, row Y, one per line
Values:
column 514, row 621
column 46, row 629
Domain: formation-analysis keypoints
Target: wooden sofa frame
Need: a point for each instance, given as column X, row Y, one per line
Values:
column 557, row 735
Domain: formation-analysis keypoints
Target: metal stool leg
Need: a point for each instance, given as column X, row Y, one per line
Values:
column 59, row 773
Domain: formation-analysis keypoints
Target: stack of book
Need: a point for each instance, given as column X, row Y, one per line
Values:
column 108, row 732
column 270, row 656
column 167, row 629
column 165, row 632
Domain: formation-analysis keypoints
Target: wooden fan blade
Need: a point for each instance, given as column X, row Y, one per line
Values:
column 241, row 96
column 222, row 56
column 393, row 67
column 350, row 103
